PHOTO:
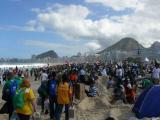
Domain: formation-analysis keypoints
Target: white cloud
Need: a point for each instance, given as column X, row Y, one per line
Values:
column 73, row 23
column 67, row 20
column 119, row 4
column 93, row 45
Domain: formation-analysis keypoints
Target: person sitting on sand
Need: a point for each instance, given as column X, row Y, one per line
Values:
column 92, row 90
column 130, row 93
column 118, row 94
column 110, row 82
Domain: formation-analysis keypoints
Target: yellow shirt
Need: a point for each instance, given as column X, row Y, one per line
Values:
column 63, row 93
column 27, row 108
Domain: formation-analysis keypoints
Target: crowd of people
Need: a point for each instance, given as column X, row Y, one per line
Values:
column 57, row 86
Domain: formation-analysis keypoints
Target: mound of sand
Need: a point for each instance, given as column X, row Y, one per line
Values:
column 86, row 104
column 94, row 103
column 115, row 113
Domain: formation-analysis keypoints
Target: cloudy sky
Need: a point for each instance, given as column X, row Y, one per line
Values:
column 69, row 26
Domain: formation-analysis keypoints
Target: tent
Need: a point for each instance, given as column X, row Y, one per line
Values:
column 146, row 59
column 148, row 103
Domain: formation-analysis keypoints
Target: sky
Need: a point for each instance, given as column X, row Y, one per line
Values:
column 30, row 27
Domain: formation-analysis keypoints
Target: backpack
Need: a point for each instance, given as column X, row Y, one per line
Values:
column 52, row 88
column 42, row 90
column 19, row 81
column 6, row 91
column 9, row 90
column 18, row 99
column 13, row 87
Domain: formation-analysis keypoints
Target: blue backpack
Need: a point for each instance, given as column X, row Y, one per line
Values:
column 13, row 87
column 52, row 88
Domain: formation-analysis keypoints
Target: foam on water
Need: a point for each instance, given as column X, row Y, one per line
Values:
column 27, row 65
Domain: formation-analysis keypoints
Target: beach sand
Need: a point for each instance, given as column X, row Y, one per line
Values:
column 97, row 108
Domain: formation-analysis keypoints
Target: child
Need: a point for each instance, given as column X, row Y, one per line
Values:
column 110, row 82
column 130, row 93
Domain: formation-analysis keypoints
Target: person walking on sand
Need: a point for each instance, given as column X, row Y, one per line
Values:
column 52, row 86
column 9, row 90
column 64, row 98
column 28, row 106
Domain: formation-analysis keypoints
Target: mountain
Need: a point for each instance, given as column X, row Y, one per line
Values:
column 125, row 44
column 48, row 54
column 154, row 50
column 155, row 45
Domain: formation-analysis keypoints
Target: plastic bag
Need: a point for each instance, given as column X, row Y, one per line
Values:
column 39, row 101
column 71, row 112
column 14, row 116
column 36, row 116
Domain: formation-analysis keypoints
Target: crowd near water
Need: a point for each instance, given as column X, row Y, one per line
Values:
column 58, row 86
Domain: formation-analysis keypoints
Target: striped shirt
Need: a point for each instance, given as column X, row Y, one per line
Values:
column 92, row 91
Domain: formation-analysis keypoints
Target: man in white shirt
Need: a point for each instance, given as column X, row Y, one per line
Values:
column 104, row 72
column 156, row 74
column 44, row 76
column 119, row 72
column 119, row 75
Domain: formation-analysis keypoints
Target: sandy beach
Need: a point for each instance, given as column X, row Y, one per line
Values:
column 97, row 108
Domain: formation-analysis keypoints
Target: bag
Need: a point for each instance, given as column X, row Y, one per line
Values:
column 9, row 90
column 39, row 101
column 42, row 90
column 19, row 81
column 46, row 105
column 71, row 112
column 52, row 88
column 18, row 99
column 13, row 87
column 6, row 92
column 36, row 116
column 14, row 116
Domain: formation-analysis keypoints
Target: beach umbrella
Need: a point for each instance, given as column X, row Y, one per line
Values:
column 148, row 103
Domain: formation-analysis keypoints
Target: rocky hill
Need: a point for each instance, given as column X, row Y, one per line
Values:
column 155, row 45
column 125, row 44
column 48, row 54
